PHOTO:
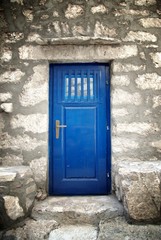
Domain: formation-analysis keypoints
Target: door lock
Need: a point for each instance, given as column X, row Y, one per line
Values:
column 58, row 126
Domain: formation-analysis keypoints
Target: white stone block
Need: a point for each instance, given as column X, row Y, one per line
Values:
column 36, row 123
column 145, row 2
column 140, row 36
column 74, row 11
column 120, row 97
column 150, row 22
column 36, row 89
column 99, row 9
column 156, row 57
column 7, row 107
column 11, row 76
column 149, row 81
column 19, row 142
column 121, row 80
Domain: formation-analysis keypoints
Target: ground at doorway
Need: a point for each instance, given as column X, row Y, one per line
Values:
column 80, row 218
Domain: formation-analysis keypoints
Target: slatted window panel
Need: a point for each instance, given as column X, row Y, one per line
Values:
column 80, row 87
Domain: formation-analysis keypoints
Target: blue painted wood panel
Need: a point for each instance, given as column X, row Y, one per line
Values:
column 80, row 156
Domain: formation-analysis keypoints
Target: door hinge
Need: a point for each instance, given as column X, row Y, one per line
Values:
column 107, row 82
column 108, row 175
column 107, row 128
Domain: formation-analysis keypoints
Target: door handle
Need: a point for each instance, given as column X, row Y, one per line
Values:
column 58, row 126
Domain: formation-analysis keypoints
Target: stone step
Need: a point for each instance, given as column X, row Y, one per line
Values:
column 78, row 209
column 75, row 232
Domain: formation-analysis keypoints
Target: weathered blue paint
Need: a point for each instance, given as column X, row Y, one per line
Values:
column 80, row 157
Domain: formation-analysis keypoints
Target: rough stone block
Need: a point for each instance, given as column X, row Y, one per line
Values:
column 142, row 128
column 74, row 11
column 145, row 2
column 119, row 67
column 121, row 80
column 13, row 208
column 156, row 57
column 12, row 160
column 39, row 169
column 150, row 22
column 120, row 144
column 149, row 81
column 137, row 185
column 140, row 36
column 7, row 107
column 11, row 76
column 102, row 30
column 36, row 89
column 6, row 55
column 120, row 97
column 5, row 96
column 19, row 142
column 99, row 9
column 36, row 123
column 132, row 12
column 156, row 101
column 16, row 196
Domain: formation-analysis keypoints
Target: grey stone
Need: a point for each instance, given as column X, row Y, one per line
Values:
column 73, row 210
column 19, row 196
column 39, row 230
column 6, row 175
column 39, row 168
column 5, row 96
column 6, row 55
column 119, row 229
column 119, row 67
column 121, row 144
column 13, row 37
column 29, row 15
column 74, row 232
column 149, row 81
column 36, row 123
column 19, row 142
column 142, row 128
column 140, row 36
column 12, row 160
column 11, row 76
column 121, row 80
column 156, row 57
column 119, row 112
column 120, row 97
column 99, row 9
column 157, row 145
column 131, row 12
column 36, row 89
column 150, row 22
column 156, row 101
column 145, row 2
column 102, row 30
column 13, row 208
column 137, row 184
column 2, row 123
column 74, row 11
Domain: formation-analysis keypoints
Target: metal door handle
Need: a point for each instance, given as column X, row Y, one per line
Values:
column 58, row 126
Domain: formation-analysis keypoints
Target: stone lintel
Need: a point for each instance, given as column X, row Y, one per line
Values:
column 82, row 40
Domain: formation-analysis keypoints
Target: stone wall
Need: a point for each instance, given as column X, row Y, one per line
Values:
column 35, row 33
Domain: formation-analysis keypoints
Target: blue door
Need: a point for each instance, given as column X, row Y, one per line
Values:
column 79, row 139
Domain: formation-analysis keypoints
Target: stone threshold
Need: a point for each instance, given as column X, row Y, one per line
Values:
column 78, row 209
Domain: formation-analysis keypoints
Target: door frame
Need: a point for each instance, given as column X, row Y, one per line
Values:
column 51, row 124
